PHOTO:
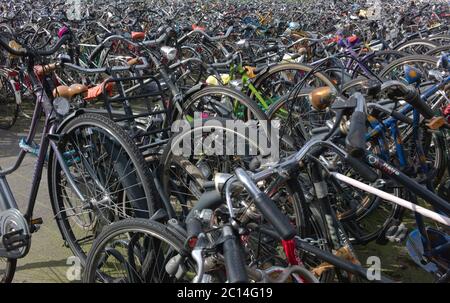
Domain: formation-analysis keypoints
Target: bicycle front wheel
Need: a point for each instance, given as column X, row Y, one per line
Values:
column 7, row 269
column 136, row 251
column 110, row 172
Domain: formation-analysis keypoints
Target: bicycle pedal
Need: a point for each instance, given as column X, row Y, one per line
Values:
column 35, row 224
column 37, row 221
column 15, row 240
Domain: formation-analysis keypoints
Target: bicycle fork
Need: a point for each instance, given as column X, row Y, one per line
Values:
column 335, row 232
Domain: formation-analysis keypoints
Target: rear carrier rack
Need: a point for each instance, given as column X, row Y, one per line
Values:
column 138, row 104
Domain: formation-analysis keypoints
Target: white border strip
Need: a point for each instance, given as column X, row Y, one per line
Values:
column 386, row 196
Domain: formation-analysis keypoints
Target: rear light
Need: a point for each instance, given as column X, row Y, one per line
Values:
column 192, row 242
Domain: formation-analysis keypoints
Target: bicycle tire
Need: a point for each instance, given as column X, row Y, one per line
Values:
column 253, row 110
column 141, row 191
column 131, row 225
column 274, row 69
column 407, row 60
column 8, row 103
column 427, row 44
column 7, row 274
column 436, row 52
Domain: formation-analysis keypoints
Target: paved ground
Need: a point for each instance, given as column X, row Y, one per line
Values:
column 47, row 259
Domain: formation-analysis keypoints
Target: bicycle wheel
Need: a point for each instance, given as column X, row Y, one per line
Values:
column 440, row 39
column 222, row 102
column 193, row 156
column 136, row 251
column 7, row 269
column 416, row 46
column 436, row 52
column 279, row 79
column 394, row 70
column 108, row 170
column 9, row 109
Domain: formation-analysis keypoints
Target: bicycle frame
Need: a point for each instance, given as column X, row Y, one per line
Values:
column 391, row 123
column 43, row 104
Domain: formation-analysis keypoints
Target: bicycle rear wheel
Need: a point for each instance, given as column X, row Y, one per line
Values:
column 9, row 109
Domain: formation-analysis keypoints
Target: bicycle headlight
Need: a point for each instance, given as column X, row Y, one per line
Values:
column 61, row 106
column 170, row 53
column 321, row 97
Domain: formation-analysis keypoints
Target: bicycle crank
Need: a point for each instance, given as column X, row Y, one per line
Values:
column 15, row 239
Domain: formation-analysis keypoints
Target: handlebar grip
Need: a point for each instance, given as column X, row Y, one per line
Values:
column 361, row 168
column 234, row 259
column 397, row 90
column 356, row 137
column 413, row 98
column 274, row 216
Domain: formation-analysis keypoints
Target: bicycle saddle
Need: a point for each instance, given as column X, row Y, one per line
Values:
column 69, row 91
column 135, row 36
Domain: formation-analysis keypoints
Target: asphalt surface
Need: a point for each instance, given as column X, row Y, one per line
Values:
column 47, row 259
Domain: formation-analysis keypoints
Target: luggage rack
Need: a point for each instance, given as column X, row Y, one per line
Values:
column 139, row 105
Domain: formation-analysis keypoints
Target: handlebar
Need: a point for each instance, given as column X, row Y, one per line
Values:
column 80, row 69
column 397, row 90
column 227, row 34
column 356, row 137
column 27, row 52
column 148, row 43
column 224, row 64
column 267, row 207
column 208, row 37
column 274, row 48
